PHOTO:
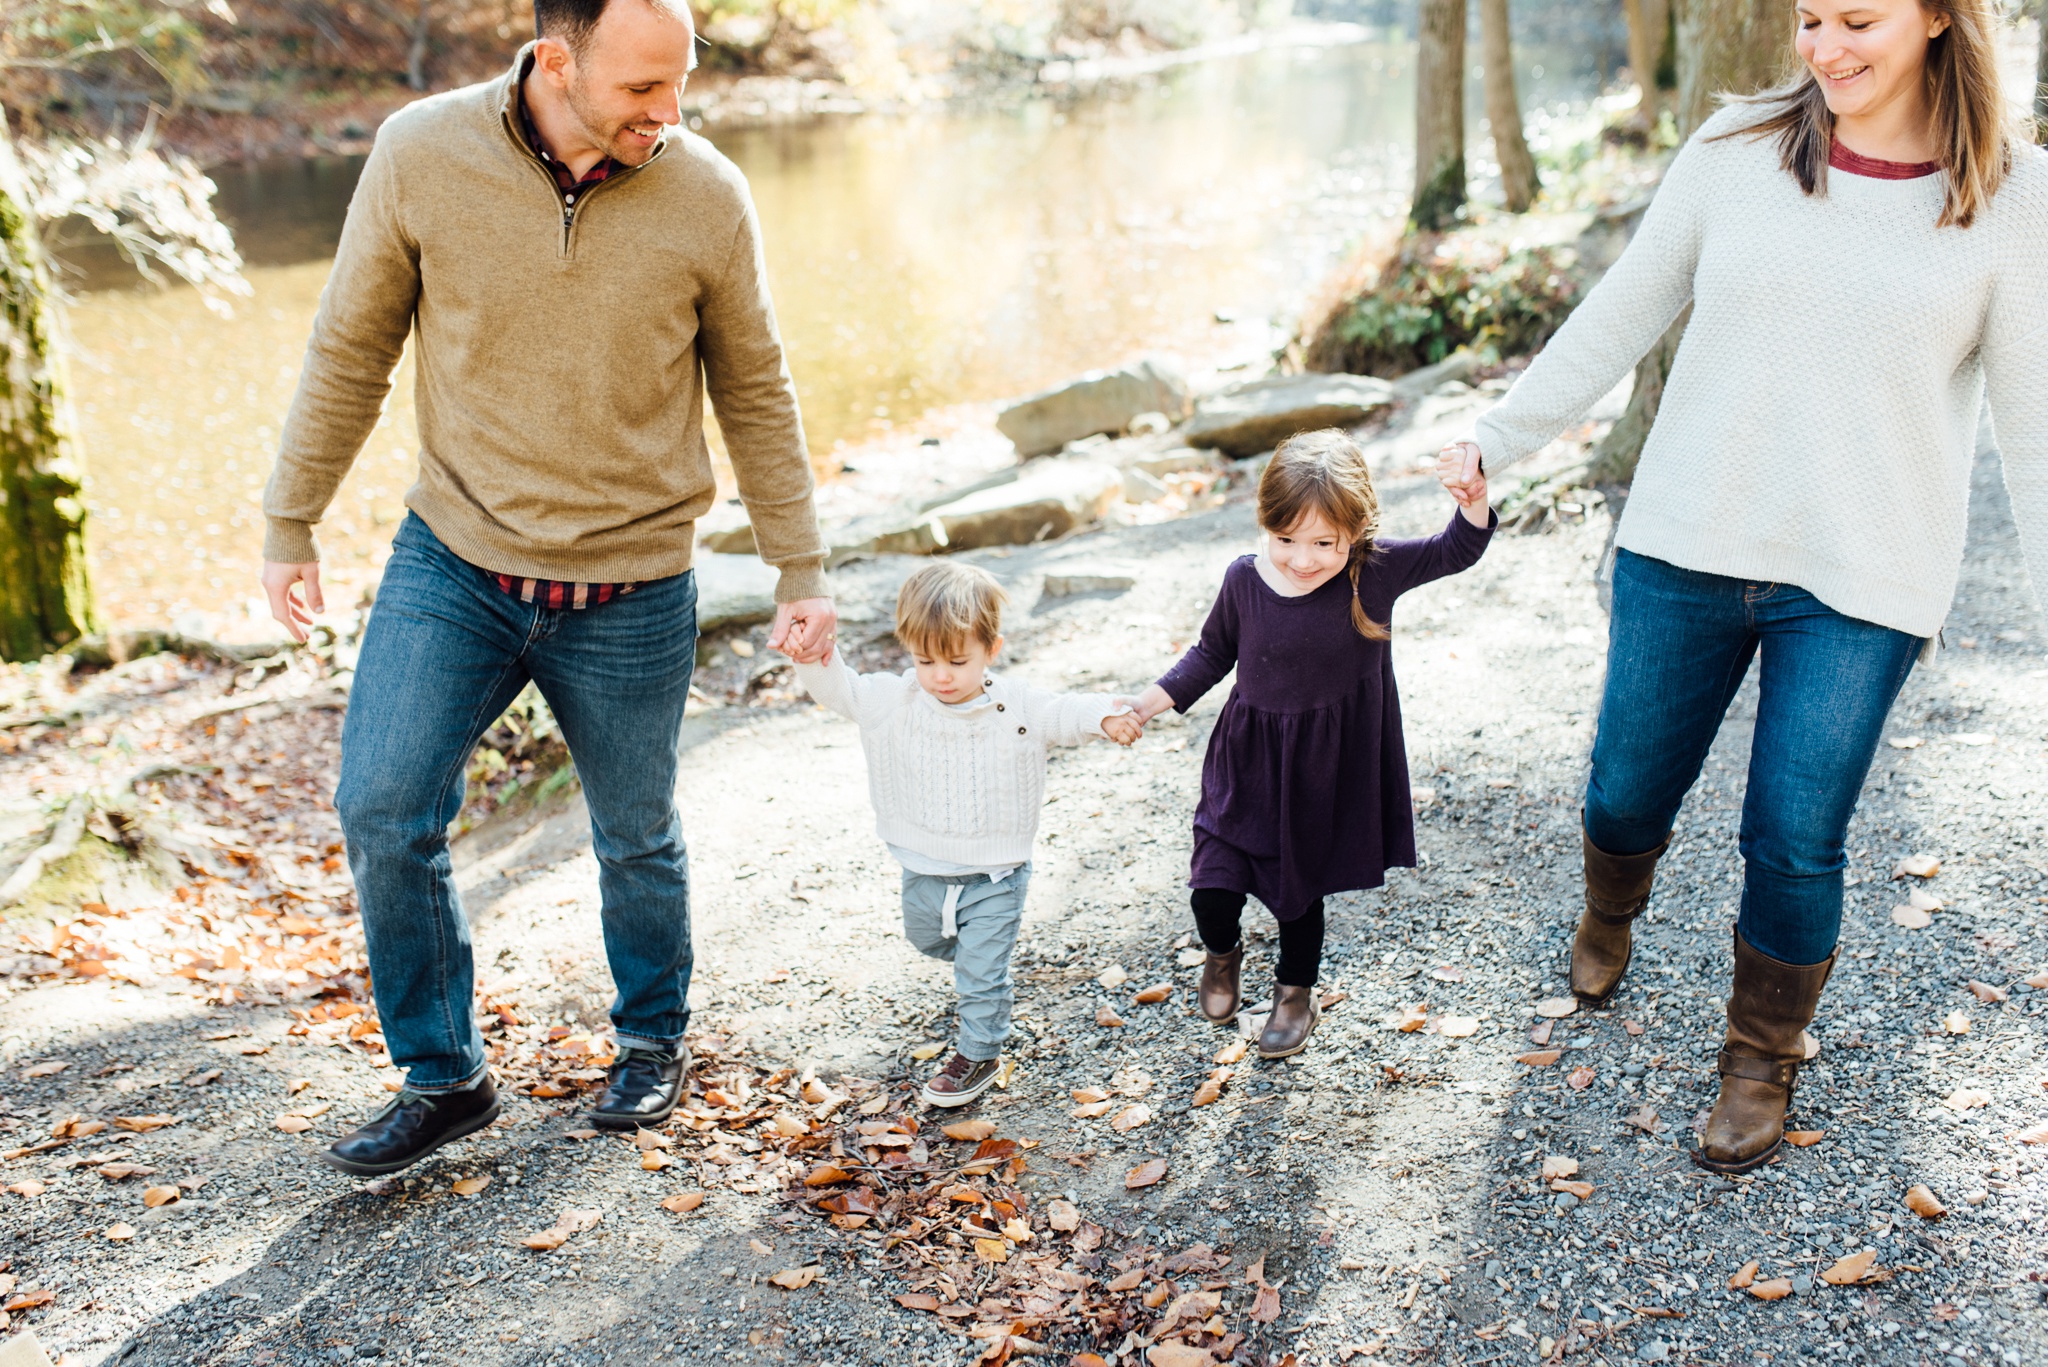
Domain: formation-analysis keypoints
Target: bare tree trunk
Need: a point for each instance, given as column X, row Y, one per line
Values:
column 1439, row 115
column 416, row 54
column 1648, row 25
column 1724, row 46
column 45, row 595
column 1503, row 108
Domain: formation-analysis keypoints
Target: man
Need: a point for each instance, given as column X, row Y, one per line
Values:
column 579, row 275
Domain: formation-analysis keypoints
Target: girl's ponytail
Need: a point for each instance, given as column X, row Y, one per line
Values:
column 1325, row 472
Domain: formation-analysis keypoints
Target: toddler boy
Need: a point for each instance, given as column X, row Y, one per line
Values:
column 956, row 773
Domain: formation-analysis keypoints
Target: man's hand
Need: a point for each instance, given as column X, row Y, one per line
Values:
column 1458, row 470
column 292, row 611
column 1123, row 728
column 805, row 630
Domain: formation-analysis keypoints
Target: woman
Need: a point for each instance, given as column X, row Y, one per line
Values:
column 1866, row 255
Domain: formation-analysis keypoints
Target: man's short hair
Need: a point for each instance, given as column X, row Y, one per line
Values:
column 573, row 20
column 569, row 20
column 947, row 604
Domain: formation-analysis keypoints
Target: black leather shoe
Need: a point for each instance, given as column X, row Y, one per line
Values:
column 411, row 1127
column 644, row 1088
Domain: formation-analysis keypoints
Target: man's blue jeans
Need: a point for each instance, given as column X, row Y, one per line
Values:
column 445, row 653
column 1678, row 647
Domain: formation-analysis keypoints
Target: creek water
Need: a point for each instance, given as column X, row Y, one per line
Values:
column 918, row 262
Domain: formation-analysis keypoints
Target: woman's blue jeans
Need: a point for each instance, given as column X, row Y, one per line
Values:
column 1679, row 644
column 445, row 653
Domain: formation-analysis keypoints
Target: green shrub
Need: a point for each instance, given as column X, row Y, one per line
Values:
column 1440, row 293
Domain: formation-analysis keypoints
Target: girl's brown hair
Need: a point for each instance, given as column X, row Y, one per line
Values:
column 1971, row 123
column 1325, row 472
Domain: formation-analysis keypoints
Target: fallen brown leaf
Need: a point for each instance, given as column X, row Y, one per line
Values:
column 1956, row 1023
column 1556, row 1008
column 761, row 1250
column 1447, row 973
column 1457, row 1027
column 1776, row 1289
column 1170, row 1354
column 1852, row 1269
column 1967, row 1099
column 1086, row 1095
column 1540, row 1058
column 992, row 1250
column 1412, row 1018
column 294, row 1124
column 1556, row 1167
column 1911, row 918
column 469, row 1186
column 683, row 1202
column 1580, row 1078
column 1208, row 1093
column 1064, row 1217
column 1743, row 1276
column 160, row 1196
column 1804, row 1139
column 969, row 1131
column 118, row 1233
column 143, row 1124
column 1923, row 1202
column 1094, row 1110
column 1107, row 1018
column 571, row 1223
column 1131, row 1117
column 1233, row 1052
column 1917, row 866
column 654, row 1160
column 1154, row 994
column 1986, row 993
column 1265, row 1305
column 2033, row 1134
column 1643, row 1118
column 918, row 1300
column 120, row 1172
column 41, row 1296
column 1633, row 1027
column 1147, row 1173
column 651, row 1139
column 28, row 1187
column 1582, row 1190
column 50, row 1069
column 825, row 1174
column 2039, row 980
column 1126, row 1281
column 797, row 1278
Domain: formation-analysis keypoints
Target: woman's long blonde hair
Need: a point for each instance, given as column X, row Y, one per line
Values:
column 1971, row 122
column 1325, row 472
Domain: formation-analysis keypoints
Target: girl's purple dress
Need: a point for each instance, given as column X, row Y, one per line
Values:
column 1305, row 786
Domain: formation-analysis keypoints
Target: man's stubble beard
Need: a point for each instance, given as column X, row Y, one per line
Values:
column 602, row 135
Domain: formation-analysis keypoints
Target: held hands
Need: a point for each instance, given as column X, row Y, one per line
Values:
column 1123, row 728
column 805, row 630
column 1458, row 470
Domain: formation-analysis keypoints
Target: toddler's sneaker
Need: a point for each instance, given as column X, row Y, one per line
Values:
column 961, row 1080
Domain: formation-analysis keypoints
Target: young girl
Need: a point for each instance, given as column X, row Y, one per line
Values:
column 1305, row 786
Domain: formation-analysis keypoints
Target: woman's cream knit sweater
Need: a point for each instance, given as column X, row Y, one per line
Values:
column 962, row 785
column 1821, row 417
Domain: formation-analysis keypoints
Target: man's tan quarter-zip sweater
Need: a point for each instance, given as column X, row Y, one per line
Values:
column 564, row 354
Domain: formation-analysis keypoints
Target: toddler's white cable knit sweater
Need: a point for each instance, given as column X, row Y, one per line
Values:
column 1821, row 416
column 963, row 785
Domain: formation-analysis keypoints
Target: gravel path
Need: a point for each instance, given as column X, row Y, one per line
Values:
column 1390, row 1180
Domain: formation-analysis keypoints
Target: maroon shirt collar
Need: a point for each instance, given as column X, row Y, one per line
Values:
column 565, row 179
column 1841, row 158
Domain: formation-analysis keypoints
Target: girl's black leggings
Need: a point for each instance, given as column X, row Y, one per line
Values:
column 1301, row 940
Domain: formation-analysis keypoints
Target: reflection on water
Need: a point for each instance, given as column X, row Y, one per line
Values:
column 916, row 262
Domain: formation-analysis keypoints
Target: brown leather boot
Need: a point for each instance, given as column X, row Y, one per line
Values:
column 1295, row 1013
column 1617, row 890
column 1768, row 1012
column 1222, row 989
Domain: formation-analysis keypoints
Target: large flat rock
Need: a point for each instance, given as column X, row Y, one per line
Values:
column 1258, row 415
column 1100, row 401
column 733, row 590
column 1047, row 499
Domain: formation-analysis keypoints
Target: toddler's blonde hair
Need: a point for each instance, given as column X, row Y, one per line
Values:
column 1325, row 472
column 947, row 604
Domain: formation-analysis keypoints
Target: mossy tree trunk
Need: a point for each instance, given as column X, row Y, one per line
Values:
column 45, row 596
column 1503, row 108
column 1724, row 47
column 1439, row 116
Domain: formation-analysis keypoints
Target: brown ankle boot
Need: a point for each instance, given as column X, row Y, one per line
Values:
column 1222, row 985
column 1768, row 1012
column 1617, row 890
column 1295, row 1013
